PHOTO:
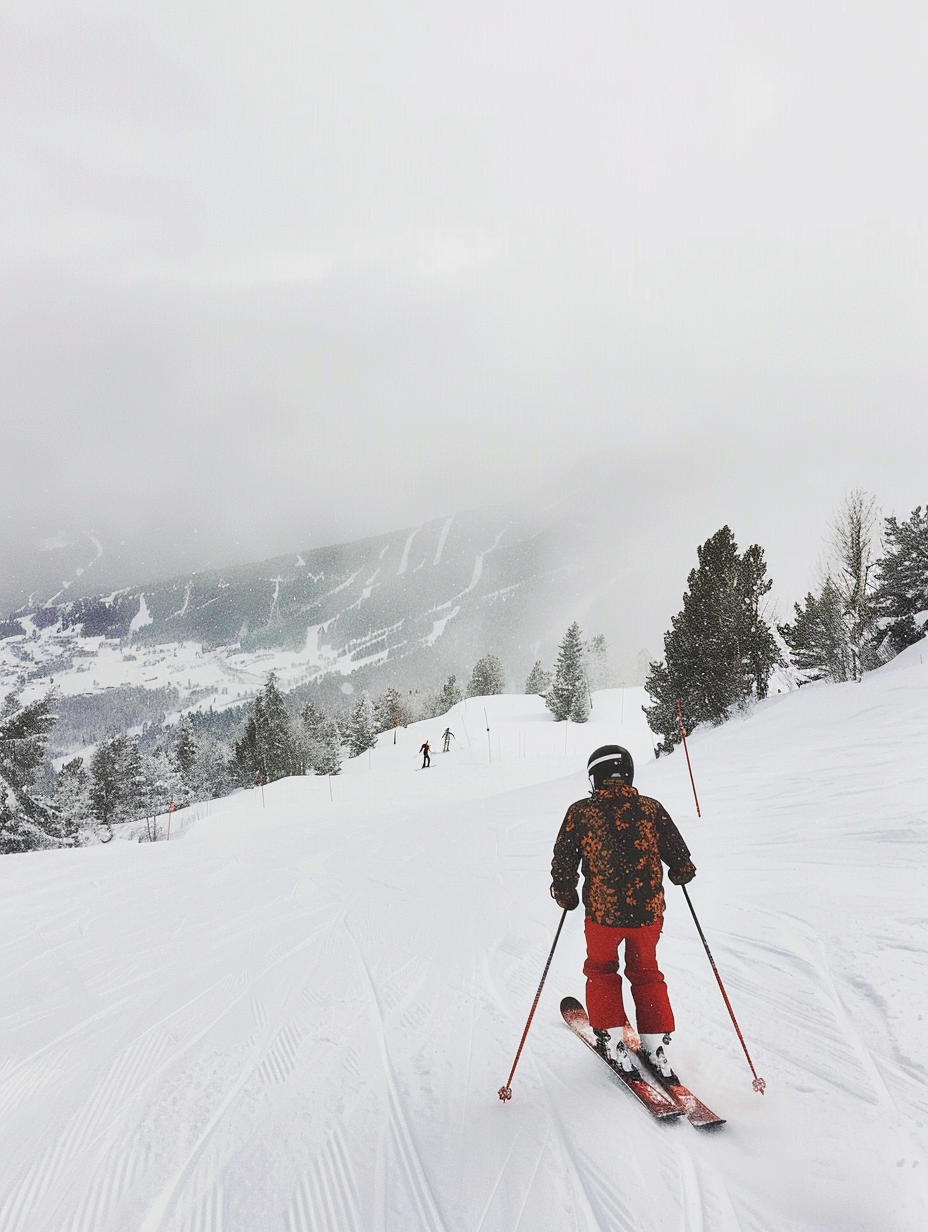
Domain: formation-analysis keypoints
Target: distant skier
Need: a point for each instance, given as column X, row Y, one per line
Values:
column 447, row 735
column 620, row 839
column 426, row 758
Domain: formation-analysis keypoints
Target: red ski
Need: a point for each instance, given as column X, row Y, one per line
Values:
column 694, row 1109
column 658, row 1102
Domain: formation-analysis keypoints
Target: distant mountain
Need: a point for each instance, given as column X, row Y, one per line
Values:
column 406, row 608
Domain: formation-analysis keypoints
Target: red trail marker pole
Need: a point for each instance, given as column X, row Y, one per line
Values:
column 505, row 1092
column 687, row 752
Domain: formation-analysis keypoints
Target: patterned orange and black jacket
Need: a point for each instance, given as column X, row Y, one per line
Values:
column 619, row 839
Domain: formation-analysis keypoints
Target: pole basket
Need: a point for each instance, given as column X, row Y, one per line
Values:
column 759, row 1086
column 505, row 1093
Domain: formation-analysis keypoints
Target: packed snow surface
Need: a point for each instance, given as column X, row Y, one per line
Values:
column 296, row 1015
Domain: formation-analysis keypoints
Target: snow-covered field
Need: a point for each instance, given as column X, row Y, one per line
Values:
column 220, row 676
column 297, row 1016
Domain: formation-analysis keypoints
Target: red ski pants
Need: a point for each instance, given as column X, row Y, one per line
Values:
column 604, row 984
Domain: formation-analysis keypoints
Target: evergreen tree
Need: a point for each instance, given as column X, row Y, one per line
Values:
column 901, row 592
column 720, row 650
column 568, row 697
column 487, row 678
column 185, row 746
column 26, row 821
column 391, row 711
column 210, row 775
column 117, row 783
column 319, row 741
column 360, row 733
column 276, row 755
column 449, row 695
column 835, row 634
column 327, row 757
column 598, row 671
column 266, row 750
column 71, row 804
column 246, row 766
column 539, row 681
column 817, row 638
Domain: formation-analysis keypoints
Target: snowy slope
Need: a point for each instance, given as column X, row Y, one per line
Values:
column 297, row 1016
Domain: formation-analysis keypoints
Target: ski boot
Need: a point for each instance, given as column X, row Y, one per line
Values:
column 657, row 1050
column 618, row 1056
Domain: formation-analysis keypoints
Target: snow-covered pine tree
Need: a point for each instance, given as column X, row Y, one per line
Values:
column 266, row 750
column 449, row 695
column 360, row 734
column 538, row 680
column 598, row 671
column 568, row 697
column 185, row 746
column 275, row 751
column 318, row 740
column 117, row 788
column 26, row 821
column 210, row 775
column 71, row 804
column 817, row 638
column 246, row 766
column 901, row 592
column 836, row 633
column 327, row 758
column 391, row 711
column 720, row 651
column 487, row 678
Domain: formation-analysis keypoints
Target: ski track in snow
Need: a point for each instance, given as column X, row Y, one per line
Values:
column 297, row 1017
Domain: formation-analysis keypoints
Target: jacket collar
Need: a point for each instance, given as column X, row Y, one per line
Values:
column 615, row 787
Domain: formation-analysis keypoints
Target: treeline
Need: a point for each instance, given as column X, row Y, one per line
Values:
column 206, row 755
column 721, row 651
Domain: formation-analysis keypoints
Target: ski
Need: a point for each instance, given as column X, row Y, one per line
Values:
column 658, row 1102
column 694, row 1109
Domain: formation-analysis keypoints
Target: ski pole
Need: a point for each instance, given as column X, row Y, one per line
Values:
column 758, row 1084
column 687, row 752
column 505, row 1092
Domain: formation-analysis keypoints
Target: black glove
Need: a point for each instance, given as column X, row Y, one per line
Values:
column 566, row 897
column 682, row 875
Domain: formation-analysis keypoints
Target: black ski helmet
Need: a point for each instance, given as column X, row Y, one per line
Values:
column 610, row 761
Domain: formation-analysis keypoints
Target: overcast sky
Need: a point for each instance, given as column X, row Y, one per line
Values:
column 294, row 272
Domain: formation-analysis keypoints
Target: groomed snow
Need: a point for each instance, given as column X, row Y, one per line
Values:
column 298, row 1015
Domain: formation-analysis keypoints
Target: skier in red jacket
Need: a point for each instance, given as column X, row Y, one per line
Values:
column 620, row 839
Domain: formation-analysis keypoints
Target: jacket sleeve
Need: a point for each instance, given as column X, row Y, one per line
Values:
column 672, row 849
column 565, row 864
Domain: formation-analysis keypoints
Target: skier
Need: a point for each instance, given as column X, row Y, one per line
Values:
column 619, row 839
column 447, row 735
column 425, row 751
